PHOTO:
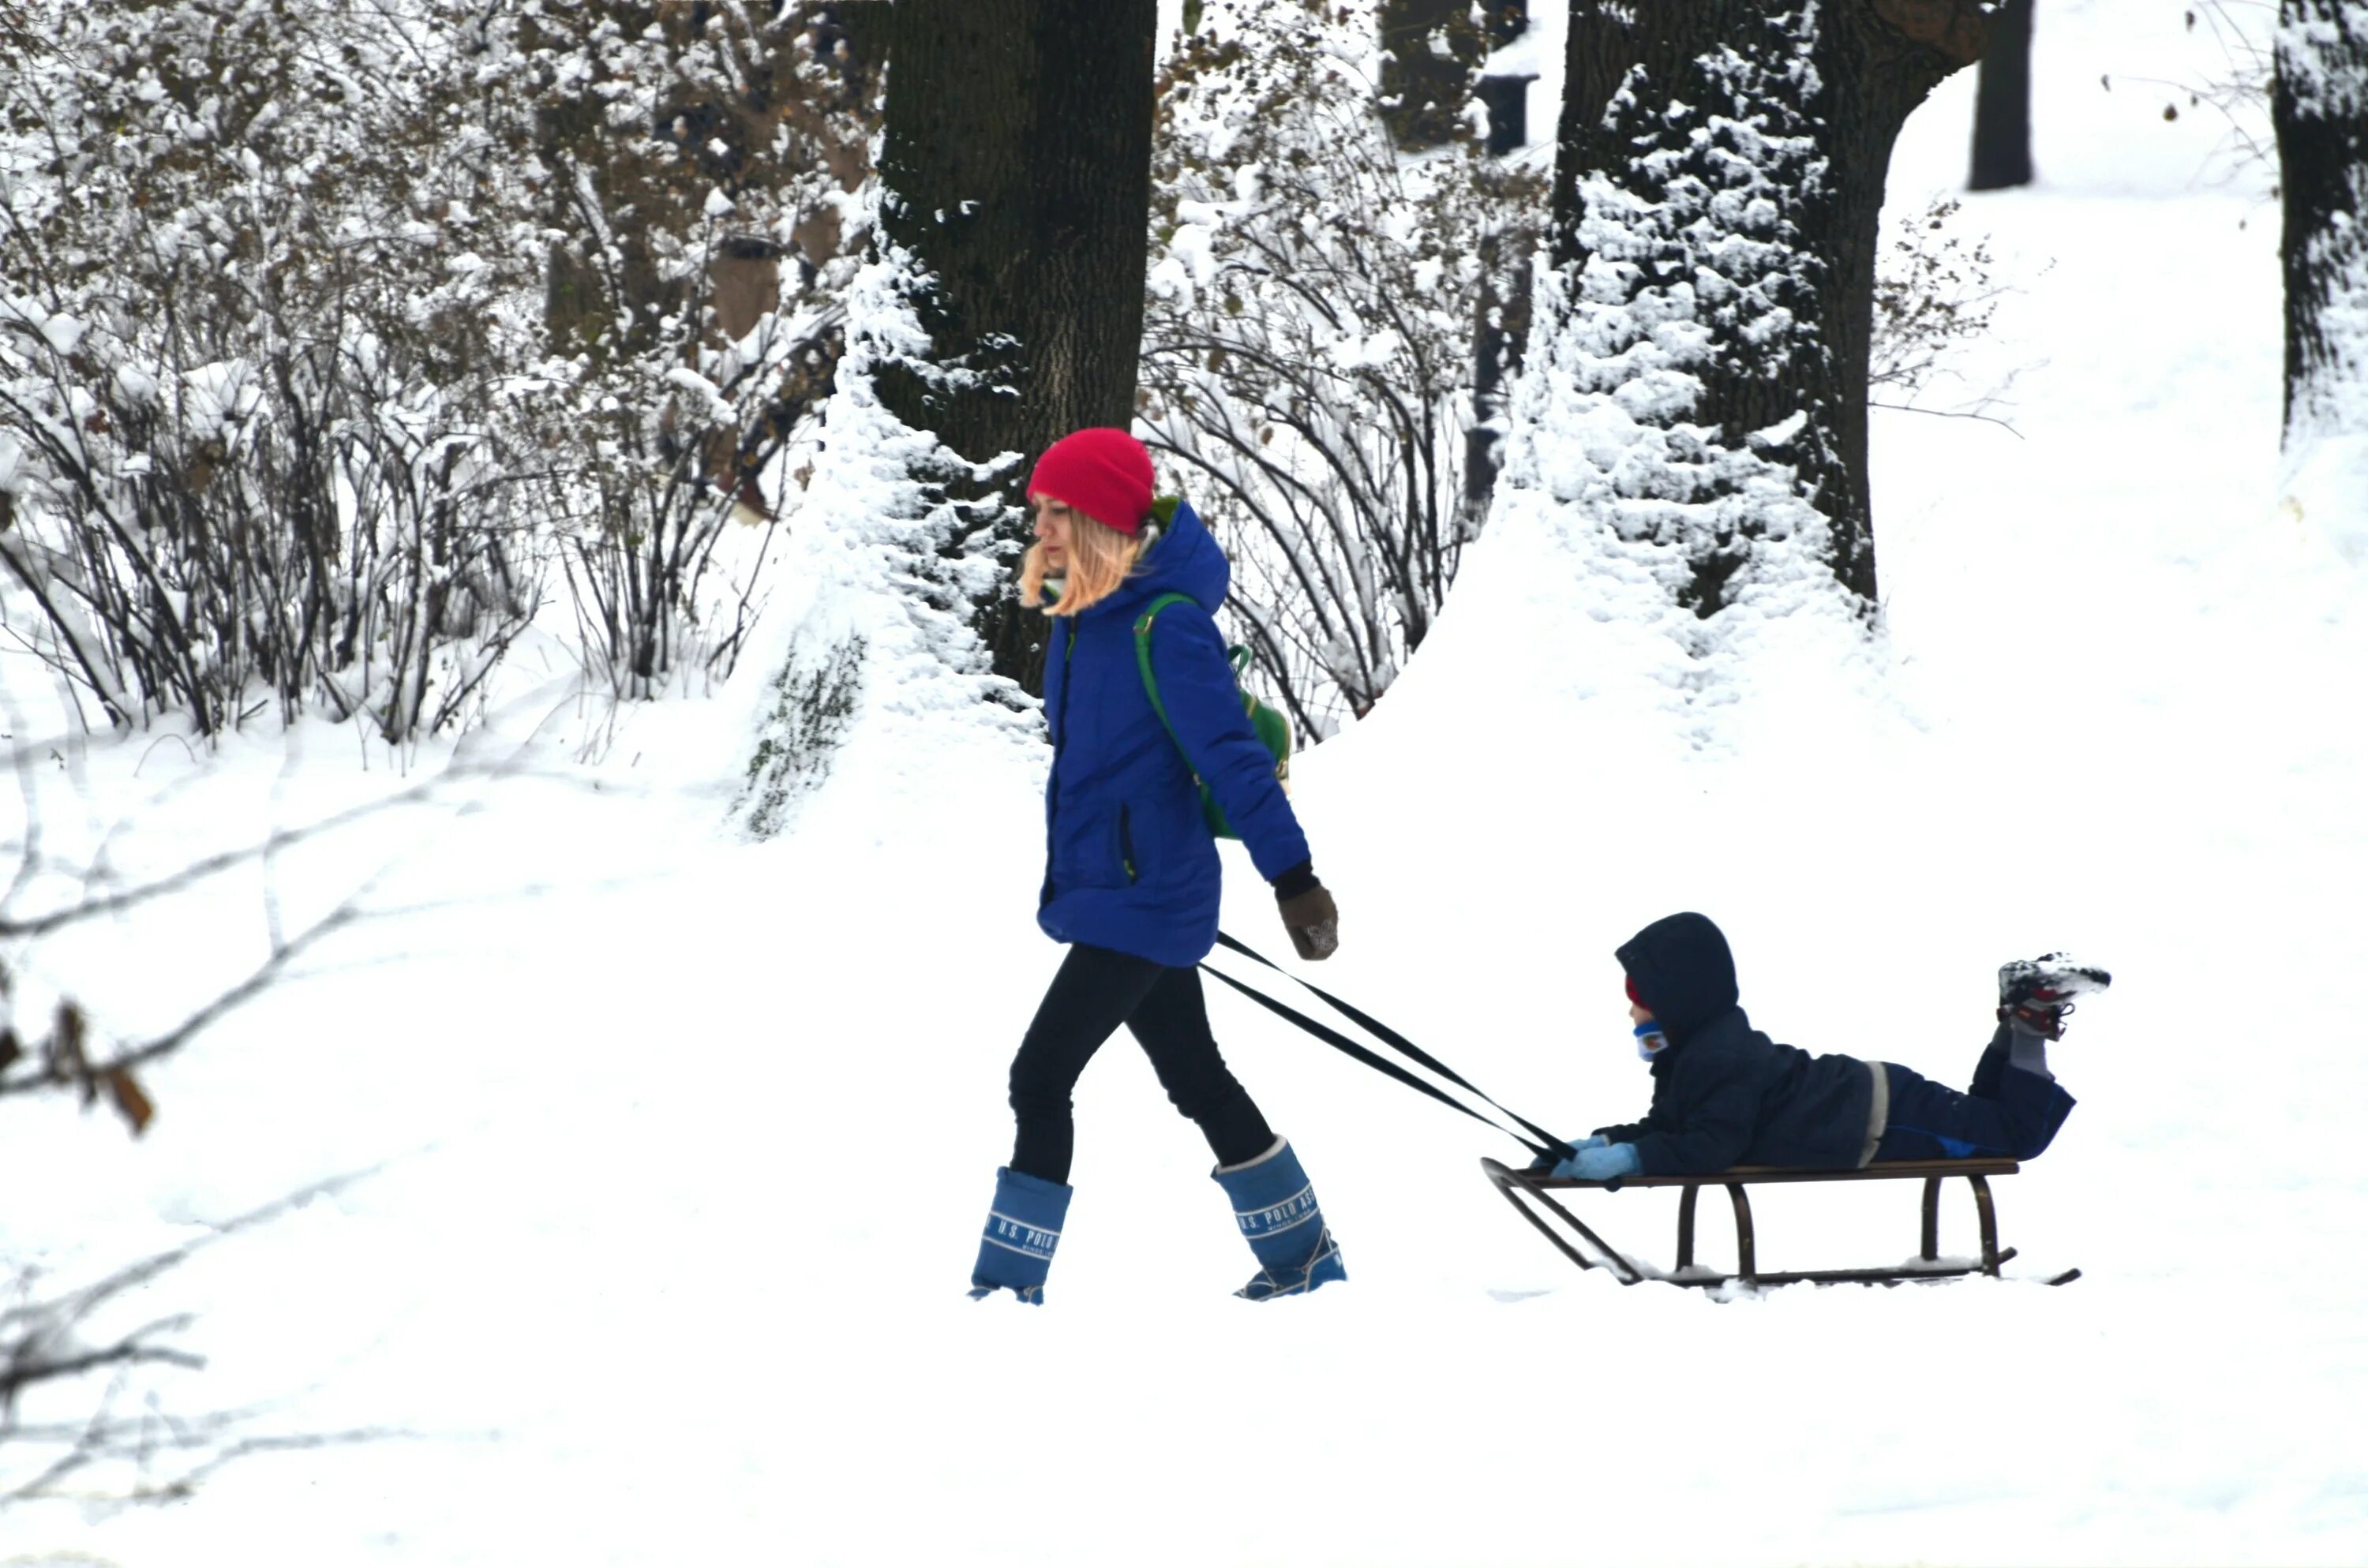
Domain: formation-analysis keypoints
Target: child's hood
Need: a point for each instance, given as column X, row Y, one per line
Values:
column 1683, row 970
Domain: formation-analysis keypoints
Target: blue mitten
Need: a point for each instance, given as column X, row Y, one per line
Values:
column 1547, row 1161
column 1602, row 1162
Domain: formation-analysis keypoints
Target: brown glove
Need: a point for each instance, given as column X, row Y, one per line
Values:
column 1313, row 923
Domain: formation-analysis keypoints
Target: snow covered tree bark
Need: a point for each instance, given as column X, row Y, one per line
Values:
column 2320, row 110
column 2002, row 103
column 1706, row 329
column 1000, row 307
column 1017, row 168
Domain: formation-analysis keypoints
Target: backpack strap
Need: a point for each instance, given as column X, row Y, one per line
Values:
column 1143, row 662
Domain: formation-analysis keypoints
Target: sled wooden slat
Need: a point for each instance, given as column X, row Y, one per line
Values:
column 1531, row 1193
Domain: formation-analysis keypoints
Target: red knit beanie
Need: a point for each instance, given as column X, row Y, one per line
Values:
column 1104, row 473
column 1631, row 990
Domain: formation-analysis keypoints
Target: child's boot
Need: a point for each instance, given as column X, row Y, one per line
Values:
column 2035, row 995
column 1276, row 1208
column 1023, row 1226
column 2039, row 992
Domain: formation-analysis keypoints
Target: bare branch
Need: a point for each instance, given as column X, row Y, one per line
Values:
column 56, row 1341
column 208, row 866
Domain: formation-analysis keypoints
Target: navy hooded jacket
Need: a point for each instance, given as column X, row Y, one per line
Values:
column 1724, row 1094
column 1131, row 863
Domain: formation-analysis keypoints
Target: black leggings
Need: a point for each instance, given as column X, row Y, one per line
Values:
column 1095, row 991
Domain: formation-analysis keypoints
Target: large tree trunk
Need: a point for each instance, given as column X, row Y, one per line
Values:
column 1018, row 171
column 2321, row 112
column 1720, row 179
column 2002, row 103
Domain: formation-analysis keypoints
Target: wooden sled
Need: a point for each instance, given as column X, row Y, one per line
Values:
column 1532, row 1192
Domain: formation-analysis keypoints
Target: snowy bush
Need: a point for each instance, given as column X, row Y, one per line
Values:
column 698, row 177
column 251, row 336
column 326, row 333
column 1308, row 341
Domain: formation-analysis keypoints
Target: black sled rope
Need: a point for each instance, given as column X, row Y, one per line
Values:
column 1546, row 1145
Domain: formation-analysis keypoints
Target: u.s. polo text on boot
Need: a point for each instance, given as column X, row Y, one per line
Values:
column 1296, row 1210
column 1018, row 1235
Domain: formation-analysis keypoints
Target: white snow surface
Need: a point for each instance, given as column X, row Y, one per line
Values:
column 679, row 1145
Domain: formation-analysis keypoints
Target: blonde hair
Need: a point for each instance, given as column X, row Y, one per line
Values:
column 1101, row 558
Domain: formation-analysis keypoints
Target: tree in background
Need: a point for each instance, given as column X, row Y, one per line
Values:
column 2320, row 110
column 1000, row 307
column 1431, row 55
column 1697, row 382
column 2002, row 103
column 1431, row 51
column 1015, row 168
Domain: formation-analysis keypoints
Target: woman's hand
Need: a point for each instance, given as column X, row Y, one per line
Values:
column 1313, row 920
column 1308, row 912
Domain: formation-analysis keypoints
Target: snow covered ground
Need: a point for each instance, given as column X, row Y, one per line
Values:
column 680, row 1145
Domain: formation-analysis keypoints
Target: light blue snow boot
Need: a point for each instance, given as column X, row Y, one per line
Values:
column 1277, row 1209
column 1022, row 1228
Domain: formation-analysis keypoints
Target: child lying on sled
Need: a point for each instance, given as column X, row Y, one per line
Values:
column 1724, row 1094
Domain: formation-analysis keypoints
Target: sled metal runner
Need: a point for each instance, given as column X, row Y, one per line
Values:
column 1532, row 1193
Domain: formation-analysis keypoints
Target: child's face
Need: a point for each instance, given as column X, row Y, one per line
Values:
column 1639, row 1013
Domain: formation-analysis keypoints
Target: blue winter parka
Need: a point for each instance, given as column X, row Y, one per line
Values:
column 1131, row 863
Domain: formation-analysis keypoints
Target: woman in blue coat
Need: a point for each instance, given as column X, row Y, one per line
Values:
column 1130, row 878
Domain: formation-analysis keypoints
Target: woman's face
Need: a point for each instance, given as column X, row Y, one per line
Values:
column 1053, row 520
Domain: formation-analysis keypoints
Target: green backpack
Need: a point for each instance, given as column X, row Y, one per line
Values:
column 1272, row 728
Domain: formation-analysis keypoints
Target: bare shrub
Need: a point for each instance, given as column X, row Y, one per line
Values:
column 327, row 333
column 256, row 433
column 1935, row 291
column 1308, row 343
column 699, row 169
